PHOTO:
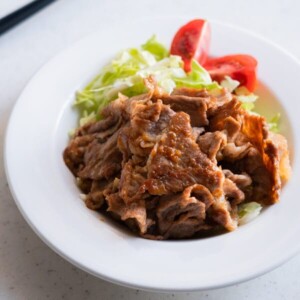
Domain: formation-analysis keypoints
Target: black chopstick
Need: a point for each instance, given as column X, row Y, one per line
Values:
column 21, row 14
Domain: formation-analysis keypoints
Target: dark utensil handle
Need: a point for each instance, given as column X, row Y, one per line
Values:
column 21, row 14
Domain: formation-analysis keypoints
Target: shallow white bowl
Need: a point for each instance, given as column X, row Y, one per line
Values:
column 45, row 192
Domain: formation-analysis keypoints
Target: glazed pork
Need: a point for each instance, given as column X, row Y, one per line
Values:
column 174, row 166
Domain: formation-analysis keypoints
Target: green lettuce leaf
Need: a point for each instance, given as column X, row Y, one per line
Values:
column 248, row 101
column 274, row 123
column 229, row 83
column 155, row 48
column 198, row 77
column 248, row 211
column 248, row 106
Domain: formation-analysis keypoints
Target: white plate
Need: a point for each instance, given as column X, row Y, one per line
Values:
column 45, row 192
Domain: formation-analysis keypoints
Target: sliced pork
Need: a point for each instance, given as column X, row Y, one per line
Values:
column 175, row 166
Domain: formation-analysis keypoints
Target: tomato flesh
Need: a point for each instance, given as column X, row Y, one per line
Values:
column 192, row 41
column 240, row 67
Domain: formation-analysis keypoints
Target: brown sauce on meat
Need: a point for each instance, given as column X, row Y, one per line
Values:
column 176, row 166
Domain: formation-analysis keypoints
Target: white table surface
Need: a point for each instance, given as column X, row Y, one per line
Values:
column 28, row 268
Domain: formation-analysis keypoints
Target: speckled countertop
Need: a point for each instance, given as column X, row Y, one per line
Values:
column 28, row 268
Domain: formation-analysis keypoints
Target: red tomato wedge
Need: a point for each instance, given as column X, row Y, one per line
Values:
column 240, row 67
column 192, row 41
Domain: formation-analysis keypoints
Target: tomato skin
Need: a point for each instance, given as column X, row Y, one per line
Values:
column 192, row 41
column 240, row 67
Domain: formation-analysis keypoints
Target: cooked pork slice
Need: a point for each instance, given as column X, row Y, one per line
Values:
column 103, row 128
column 190, row 92
column 113, row 116
column 241, row 180
column 227, row 118
column 195, row 107
column 101, row 160
column 213, row 98
column 148, row 120
column 262, row 164
column 211, row 143
column 177, row 162
column 94, row 133
column 74, row 153
column 183, row 215
column 232, row 152
column 136, row 212
column 248, row 149
column 96, row 197
column 197, row 131
column 222, row 213
column 284, row 162
column 232, row 193
column 132, row 182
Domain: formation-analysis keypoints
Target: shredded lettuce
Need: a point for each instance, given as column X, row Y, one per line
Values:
column 126, row 74
column 197, row 78
column 248, row 106
column 229, row 83
column 248, row 99
column 274, row 123
column 251, row 98
column 155, row 48
column 87, row 117
column 165, row 72
column 248, row 211
column 248, row 102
